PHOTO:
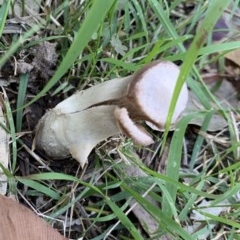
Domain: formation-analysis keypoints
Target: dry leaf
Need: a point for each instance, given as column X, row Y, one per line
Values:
column 234, row 56
column 45, row 58
column 19, row 223
column 32, row 7
column 228, row 98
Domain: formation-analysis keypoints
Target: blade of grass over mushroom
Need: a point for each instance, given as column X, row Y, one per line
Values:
column 171, row 30
column 208, row 23
column 3, row 15
column 213, row 13
column 20, row 100
column 90, row 25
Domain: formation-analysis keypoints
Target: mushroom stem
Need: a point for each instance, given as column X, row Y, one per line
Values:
column 124, row 102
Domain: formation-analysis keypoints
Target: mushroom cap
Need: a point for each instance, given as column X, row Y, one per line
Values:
column 151, row 90
column 138, row 134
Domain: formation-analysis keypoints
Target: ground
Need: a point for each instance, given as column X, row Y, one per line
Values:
column 186, row 184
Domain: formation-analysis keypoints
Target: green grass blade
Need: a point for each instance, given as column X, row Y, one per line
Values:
column 227, row 195
column 221, row 47
column 3, row 15
column 61, row 176
column 124, row 219
column 190, row 203
column 165, row 21
column 213, row 13
column 20, row 100
column 180, row 186
column 164, row 220
column 141, row 16
column 225, row 221
column 40, row 188
column 174, row 163
column 200, row 139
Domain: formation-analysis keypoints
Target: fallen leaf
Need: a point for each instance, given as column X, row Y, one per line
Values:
column 45, row 58
column 23, row 67
column 227, row 97
column 19, row 223
column 234, row 56
column 31, row 7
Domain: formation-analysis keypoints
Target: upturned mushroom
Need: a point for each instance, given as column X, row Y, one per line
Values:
column 76, row 125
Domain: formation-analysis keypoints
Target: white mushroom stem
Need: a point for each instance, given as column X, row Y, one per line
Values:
column 77, row 134
column 83, row 120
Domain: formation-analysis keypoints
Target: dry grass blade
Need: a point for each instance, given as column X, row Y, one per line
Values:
column 4, row 150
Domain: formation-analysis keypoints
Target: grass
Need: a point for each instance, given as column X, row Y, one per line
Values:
column 95, row 43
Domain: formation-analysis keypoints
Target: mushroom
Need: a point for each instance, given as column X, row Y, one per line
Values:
column 76, row 125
